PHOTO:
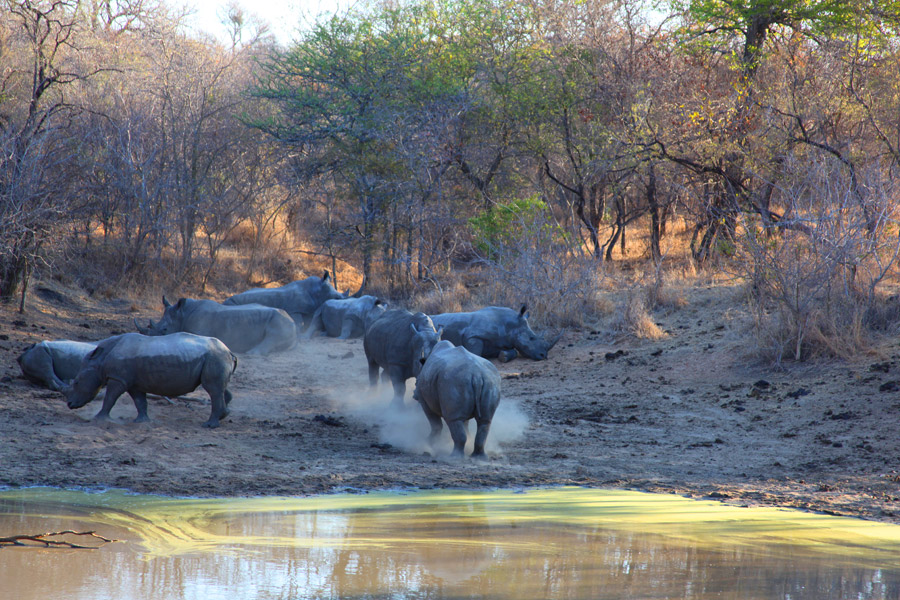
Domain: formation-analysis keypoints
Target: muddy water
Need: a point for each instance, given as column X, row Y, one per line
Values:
column 554, row 543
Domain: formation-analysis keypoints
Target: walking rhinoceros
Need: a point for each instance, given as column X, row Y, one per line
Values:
column 53, row 364
column 494, row 332
column 168, row 365
column 345, row 318
column 456, row 385
column 299, row 299
column 250, row 328
column 395, row 342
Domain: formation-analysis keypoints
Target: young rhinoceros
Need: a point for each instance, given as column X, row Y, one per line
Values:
column 456, row 385
column 395, row 341
column 169, row 365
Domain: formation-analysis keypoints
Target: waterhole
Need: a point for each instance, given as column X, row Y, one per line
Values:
column 548, row 543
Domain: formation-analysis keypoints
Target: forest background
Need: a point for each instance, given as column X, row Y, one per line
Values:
column 452, row 153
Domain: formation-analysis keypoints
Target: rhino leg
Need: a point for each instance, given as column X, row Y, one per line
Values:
column 315, row 324
column 474, row 345
column 219, row 398
column 346, row 329
column 140, row 403
column 38, row 367
column 399, row 383
column 507, row 355
column 480, row 436
column 435, row 421
column 373, row 373
column 114, row 389
column 459, row 433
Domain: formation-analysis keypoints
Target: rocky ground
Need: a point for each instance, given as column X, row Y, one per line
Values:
column 689, row 414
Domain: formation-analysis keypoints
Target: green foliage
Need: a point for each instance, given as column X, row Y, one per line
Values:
column 500, row 231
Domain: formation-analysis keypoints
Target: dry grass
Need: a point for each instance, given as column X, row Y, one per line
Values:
column 634, row 319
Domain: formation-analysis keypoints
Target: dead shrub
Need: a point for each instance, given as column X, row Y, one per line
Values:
column 815, row 275
column 633, row 318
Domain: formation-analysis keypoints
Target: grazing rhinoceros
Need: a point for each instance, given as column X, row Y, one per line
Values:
column 250, row 328
column 299, row 299
column 456, row 385
column 53, row 364
column 345, row 318
column 169, row 365
column 394, row 342
column 494, row 332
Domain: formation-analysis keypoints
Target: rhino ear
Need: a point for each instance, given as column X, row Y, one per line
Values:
column 326, row 275
column 166, row 302
column 412, row 327
column 440, row 332
column 523, row 312
column 180, row 302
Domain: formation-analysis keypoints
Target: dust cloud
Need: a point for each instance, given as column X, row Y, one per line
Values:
column 408, row 429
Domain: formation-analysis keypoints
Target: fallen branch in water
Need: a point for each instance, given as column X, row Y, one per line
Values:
column 41, row 538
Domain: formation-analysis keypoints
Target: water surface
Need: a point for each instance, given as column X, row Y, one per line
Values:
column 548, row 543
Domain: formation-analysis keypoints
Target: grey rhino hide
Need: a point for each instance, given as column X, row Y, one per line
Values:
column 54, row 363
column 169, row 365
column 396, row 342
column 344, row 318
column 250, row 328
column 456, row 385
column 299, row 299
column 494, row 332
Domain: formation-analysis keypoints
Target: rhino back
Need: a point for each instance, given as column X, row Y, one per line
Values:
column 168, row 365
column 67, row 356
column 240, row 327
column 388, row 339
column 457, row 384
column 494, row 324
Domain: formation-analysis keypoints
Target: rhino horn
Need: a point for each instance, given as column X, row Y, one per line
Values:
column 138, row 327
column 553, row 343
column 359, row 292
column 166, row 303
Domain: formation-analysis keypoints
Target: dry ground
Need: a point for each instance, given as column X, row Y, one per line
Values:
column 687, row 414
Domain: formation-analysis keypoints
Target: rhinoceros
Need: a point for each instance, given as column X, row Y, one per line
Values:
column 494, row 332
column 250, row 328
column 53, row 363
column 169, row 365
column 345, row 318
column 299, row 299
column 395, row 342
column 456, row 385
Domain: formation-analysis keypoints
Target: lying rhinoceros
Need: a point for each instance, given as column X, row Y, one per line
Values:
column 251, row 328
column 169, row 365
column 494, row 332
column 456, row 385
column 53, row 363
column 299, row 299
column 345, row 318
column 395, row 342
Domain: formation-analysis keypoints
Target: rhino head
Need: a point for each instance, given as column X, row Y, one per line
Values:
column 526, row 341
column 87, row 383
column 423, row 341
column 170, row 321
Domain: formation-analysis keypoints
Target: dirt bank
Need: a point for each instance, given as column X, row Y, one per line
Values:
column 687, row 414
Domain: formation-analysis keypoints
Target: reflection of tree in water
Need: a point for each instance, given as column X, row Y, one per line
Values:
column 448, row 545
column 431, row 547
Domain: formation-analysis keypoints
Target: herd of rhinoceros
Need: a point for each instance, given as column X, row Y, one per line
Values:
column 194, row 342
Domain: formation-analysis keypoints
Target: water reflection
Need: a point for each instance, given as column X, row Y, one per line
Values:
column 558, row 543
